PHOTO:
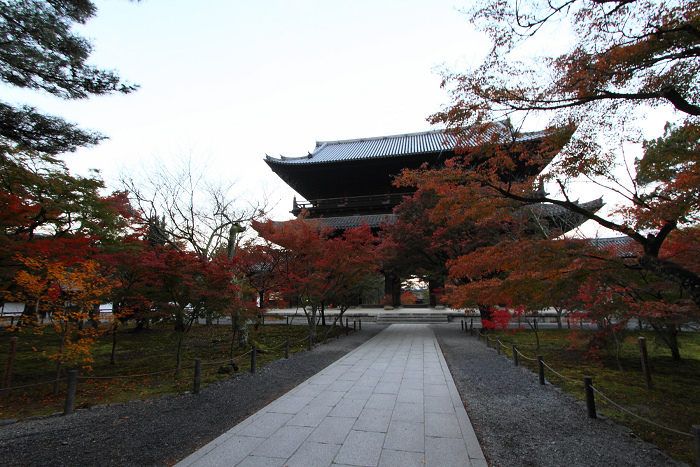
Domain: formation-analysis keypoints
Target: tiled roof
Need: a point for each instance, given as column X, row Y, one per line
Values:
column 383, row 146
column 622, row 246
column 553, row 210
column 350, row 222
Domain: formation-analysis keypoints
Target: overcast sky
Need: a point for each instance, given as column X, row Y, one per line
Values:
column 230, row 81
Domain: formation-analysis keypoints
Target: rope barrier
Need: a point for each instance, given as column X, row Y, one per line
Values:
column 134, row 376
column 637, row 416
column 221, row 362
column 35, row 384
column 525, row 357
column 618, row 406
column 560, row 375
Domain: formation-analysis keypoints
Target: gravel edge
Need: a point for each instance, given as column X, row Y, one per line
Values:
column 522, row 423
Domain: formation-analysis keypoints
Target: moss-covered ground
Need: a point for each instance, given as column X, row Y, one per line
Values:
column 674, row 401
column 147, row 351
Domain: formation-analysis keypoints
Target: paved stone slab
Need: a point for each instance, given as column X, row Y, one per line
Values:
column 390, row 403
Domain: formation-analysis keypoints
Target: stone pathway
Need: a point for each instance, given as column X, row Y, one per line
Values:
column 391, row 402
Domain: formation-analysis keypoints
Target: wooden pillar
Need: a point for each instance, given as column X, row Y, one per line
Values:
column 388, row 289
column 396, row 292
column 435, row 288
column 392, row 290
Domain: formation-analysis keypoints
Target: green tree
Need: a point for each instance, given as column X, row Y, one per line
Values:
column 39, row 51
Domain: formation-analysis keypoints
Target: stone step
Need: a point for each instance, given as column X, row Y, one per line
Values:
column 387, row 318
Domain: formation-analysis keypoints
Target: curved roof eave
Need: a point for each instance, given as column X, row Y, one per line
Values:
column 297, row 161
column 380, row 147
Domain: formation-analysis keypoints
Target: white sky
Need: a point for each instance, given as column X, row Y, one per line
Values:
column 230, row 81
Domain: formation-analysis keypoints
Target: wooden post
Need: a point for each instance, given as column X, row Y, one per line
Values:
column 540, row 369
column 286, row 350
column 498, row 345
column 645, row 363
column 696, row 437
column 197, row 375
column 515, row 355
column 253, row 358
column 462, row 323
column 70, row 392
column 360, row 324
column 7, row 377
column 354, row 325
column 590, row 397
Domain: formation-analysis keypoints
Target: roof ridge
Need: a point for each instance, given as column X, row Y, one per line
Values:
column 422, row 142
column 376, row 138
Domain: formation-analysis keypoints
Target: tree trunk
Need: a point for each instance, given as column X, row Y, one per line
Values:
column 234, row 328
column 311, row 318
column 58, row 367
column 180, row 322
column 95, row 316
column 140, row 324
column 535, row 327
column 58, row 377
column 559, row 311
column 179, row 355
column 617, row 354
column 258, row 317
column 675, row 273
column 670, row 338
column 484, row 313
column 114, row 343
column 29, row 315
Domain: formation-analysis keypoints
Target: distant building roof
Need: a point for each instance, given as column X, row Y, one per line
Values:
column 385, row 146
column 622, row 246
column 547, row 209
column 350, row 222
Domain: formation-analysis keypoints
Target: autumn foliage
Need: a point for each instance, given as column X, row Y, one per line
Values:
column 317, row 268
column 65, row 249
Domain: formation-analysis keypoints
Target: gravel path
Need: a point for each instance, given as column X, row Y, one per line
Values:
column 158, row 432
column 521, row 423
